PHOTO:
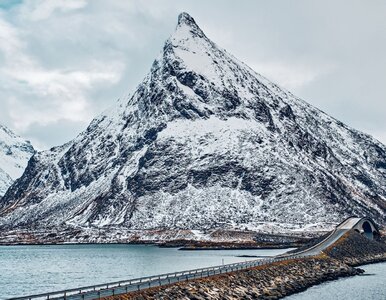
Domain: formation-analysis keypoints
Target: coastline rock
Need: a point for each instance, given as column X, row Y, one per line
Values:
column 264, row 282
column 276, row 280
column 354, row 249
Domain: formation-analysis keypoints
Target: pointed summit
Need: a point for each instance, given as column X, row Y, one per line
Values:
column 186, row 23
column 185, row 18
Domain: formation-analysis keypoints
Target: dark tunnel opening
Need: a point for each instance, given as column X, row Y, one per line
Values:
column 367, row 230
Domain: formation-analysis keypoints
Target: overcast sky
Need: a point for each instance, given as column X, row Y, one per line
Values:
column 62, row 62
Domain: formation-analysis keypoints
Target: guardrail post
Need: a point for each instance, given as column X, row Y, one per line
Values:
column 158, row 279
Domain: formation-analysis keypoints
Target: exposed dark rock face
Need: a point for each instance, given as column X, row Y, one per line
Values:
column 204, row 142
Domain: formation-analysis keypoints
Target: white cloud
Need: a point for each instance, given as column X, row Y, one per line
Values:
column 380, row 136
column 8, row 39
column 43, row 9
column 291, row 76
column 62, row 92
column 64, row 61
column 44, row 95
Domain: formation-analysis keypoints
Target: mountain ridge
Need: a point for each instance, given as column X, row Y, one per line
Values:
column 204, row 142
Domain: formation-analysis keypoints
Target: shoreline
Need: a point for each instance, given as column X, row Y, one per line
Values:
column 211, row 239
column 234, row 246
column 276, row 242
column 381, row 261
column 299, row 289
column 274, row 280
column 251, row 283
column 277, row 280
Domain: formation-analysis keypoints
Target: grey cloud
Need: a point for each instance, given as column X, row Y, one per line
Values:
column 330, row 53
column 56, row 133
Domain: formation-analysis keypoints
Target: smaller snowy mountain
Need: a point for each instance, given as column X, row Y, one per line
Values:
column 15, row 153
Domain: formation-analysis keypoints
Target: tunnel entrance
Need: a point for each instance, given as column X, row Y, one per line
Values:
column 367, row 230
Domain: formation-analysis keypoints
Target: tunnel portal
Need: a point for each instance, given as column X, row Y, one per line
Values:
column 367, row 230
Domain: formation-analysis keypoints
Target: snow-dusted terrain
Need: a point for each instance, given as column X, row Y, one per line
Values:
column 204, row 142
column 14, row 155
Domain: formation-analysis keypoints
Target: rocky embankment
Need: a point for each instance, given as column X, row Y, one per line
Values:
column 354, row 249
column 186, row 239
column 263, row 282
column 276, row 280
column 222, row 240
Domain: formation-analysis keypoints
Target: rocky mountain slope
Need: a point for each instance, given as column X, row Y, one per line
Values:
column 14, row 155
column 204, row 142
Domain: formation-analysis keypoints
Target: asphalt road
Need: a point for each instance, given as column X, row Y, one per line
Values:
column 339, row 231
column 335, row 235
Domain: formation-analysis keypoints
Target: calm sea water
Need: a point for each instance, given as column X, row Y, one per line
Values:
column 369, row 286
column 26, row 270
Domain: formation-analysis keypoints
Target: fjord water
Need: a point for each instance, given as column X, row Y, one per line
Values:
column 26, row 270
column 370, row 285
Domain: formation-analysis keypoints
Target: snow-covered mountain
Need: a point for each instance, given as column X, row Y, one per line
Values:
column 203, row 142
column 14, row 155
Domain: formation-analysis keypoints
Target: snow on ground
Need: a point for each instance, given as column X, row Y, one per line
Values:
column 204, row 143
column 14, row 155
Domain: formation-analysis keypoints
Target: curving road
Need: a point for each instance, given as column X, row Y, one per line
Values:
column 122, row 287
column 334, row 236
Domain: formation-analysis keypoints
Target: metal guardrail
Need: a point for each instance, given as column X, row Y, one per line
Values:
column 137, row 284
column 125, row 286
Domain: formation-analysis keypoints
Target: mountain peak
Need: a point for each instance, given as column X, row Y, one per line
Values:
column 186, row 24
column 185, row 18
column 203, row 143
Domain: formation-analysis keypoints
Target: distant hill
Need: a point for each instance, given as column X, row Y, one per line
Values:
column 14, row 155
